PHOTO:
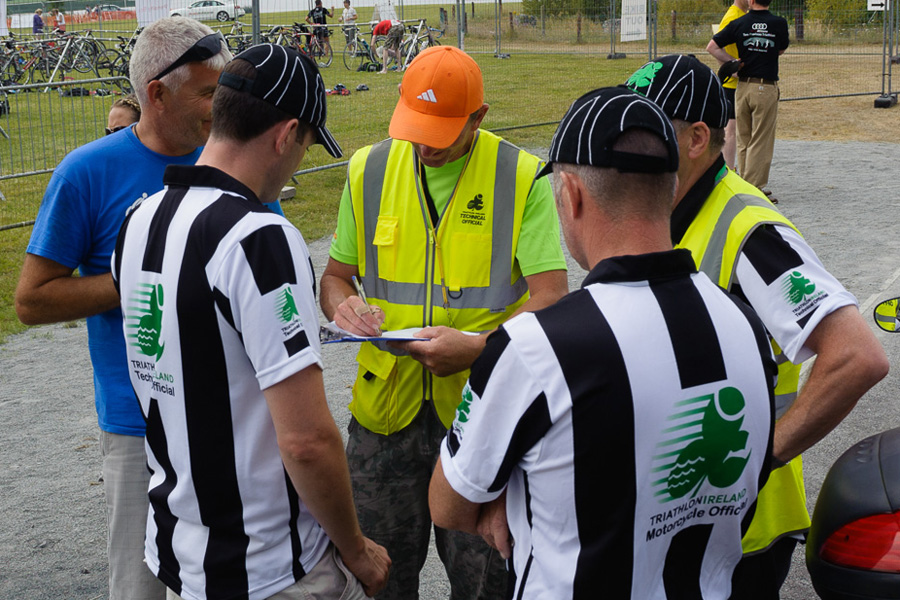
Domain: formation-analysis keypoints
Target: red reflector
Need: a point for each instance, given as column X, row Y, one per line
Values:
column 872, row 543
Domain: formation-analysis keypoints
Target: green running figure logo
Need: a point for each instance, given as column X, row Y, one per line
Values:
column 797, row 287
column 462, row 411
column 286, row 307
column 707, row 443
column 147, row 302
column 643, row 76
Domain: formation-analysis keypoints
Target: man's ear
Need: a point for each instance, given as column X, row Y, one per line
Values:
column 285, row 135
column 157, row 93
column 699, row 140
column 571, row 200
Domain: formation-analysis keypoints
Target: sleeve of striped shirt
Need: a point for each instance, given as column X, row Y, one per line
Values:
column 788, row 287
column 267, row 287
column 499, row 423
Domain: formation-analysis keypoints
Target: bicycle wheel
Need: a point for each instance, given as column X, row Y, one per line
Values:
column 11, row 73
column 105, row 62
column 117, row 66
column 40, row 71
column 353, row 56
column 407, row 55
column 81, row 59
column 323, row 55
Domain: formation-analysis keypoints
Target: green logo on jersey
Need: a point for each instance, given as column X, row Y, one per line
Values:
column 147, row 302
column 706, row 443
column 286, row 307
column 643, row 76
column 797, row 287
column 462, row 411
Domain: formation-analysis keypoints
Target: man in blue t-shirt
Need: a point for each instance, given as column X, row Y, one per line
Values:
column 174, row 71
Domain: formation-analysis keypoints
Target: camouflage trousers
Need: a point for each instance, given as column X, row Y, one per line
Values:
column 390, row 476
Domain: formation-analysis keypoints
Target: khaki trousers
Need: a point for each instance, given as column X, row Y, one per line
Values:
column 756, row 105
column 125, row 483
column 330, row 579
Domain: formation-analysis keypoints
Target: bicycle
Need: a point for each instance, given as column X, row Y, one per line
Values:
column 11, row 71
column 115, row 61
column 357, row 51
column 81, row 52
column 35, row 62
column 237, row 40
column 317, row 45
column 415, row 40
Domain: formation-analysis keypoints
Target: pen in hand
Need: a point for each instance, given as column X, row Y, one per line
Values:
column 362, row 295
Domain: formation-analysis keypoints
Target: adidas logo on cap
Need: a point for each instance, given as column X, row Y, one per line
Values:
column 427, row 96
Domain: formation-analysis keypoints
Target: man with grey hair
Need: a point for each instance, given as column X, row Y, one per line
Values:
column 174, row 70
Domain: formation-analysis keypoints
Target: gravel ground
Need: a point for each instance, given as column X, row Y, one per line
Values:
column 53, row 546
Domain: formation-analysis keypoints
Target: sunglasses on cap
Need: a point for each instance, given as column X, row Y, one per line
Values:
column 204, row 48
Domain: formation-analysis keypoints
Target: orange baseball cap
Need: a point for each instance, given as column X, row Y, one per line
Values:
column 440, row 89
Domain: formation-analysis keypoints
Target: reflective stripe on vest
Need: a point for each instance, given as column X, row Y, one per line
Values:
column 715, row 238
column 403, row 262
column 496, row 296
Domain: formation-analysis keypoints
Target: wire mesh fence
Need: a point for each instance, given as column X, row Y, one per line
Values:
column 536, row 56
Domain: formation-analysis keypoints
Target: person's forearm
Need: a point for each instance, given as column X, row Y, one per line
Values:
column 318, row 469
column 849, row 361
column 66, row 299
column 717, row 52
column 555, row 285
column 829, row 395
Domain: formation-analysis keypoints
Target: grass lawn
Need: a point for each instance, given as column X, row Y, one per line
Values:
column 524, row 89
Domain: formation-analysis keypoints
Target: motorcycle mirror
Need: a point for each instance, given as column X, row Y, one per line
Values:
column 885, row 315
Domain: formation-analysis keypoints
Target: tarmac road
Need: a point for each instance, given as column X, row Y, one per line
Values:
column 52, row 538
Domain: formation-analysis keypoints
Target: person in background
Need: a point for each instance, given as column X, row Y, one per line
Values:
column 348, row 21
column 738, row 9
column 123, row 112
column 760, row 38
column 60, row 20
column 393, row 29
column 174, row 70
column 37, row 23
column 317, row 16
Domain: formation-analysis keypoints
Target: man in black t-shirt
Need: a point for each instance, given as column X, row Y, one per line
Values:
column 317, row 16
column 761, row 38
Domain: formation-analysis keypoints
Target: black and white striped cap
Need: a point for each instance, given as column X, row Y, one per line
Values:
column 684, row 88
column 595, row 121
column 290, row 81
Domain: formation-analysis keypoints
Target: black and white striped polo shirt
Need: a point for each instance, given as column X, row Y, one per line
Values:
column 219, row 304
column 632, row 423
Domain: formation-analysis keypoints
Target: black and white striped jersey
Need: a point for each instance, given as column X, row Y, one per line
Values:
column 632, row 423
column 219, row 304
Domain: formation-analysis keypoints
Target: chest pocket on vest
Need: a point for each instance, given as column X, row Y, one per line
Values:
column 386, row 238
column 469, row 262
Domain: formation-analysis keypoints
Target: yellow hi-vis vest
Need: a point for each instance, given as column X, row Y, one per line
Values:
column 409, row 268
column 715, row 238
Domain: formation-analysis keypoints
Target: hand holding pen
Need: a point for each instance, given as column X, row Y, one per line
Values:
column 358, row 315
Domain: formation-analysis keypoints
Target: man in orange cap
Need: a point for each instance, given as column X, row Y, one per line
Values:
column 448, row 231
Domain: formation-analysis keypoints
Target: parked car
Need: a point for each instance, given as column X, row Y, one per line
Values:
column 209, row 10
column 109, row 8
